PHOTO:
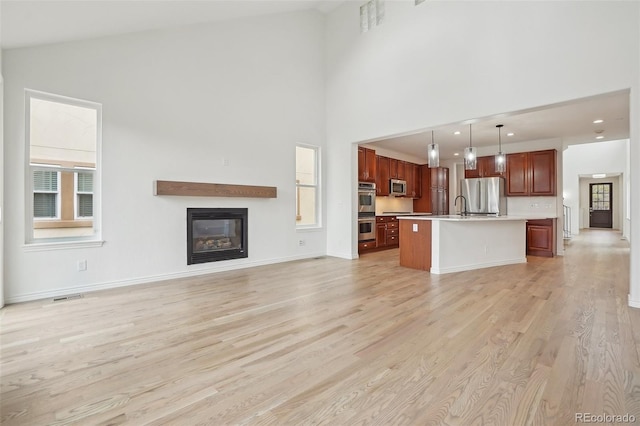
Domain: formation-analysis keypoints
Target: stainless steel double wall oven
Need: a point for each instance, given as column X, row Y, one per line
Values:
column 366, row 211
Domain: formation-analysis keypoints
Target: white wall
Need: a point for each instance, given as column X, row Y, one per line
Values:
column 600, row 157
column 177, row 104
column 444, row 62
column 1, row 179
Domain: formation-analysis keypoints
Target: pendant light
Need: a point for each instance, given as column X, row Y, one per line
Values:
column 434, row 154
column 501, row 160
column 470, row 155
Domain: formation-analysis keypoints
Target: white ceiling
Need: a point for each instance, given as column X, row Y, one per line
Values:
column 572, row 122
column 29, row 23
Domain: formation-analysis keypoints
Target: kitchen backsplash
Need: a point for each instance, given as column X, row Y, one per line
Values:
column 521, row 206
column 393, row 204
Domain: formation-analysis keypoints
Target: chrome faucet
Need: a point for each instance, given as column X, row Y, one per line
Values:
column 464, row 212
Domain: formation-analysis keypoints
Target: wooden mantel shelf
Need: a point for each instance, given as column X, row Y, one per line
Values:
column 201, row 189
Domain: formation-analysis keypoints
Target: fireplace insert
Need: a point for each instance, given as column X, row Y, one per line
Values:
column 215, row 234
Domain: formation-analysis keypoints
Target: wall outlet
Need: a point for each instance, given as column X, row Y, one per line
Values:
column 415, row 227
column 82, row 265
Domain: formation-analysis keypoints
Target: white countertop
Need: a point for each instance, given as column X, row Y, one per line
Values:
column 473, row 218
column 400, row 214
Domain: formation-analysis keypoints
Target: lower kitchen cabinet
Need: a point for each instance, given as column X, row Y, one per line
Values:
column 387, row 232
column 541, row 237
column 387, row 235
column 366, row 246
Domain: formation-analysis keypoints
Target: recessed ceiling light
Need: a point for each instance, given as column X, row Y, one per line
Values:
column 598, row 121
column 457, row 132
column 456, row 154
column 599, row 137
column 510, row 134
column 599, row 175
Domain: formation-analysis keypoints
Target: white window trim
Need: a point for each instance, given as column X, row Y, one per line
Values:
column 317, row 187
column 94, row 240
column 76, row 192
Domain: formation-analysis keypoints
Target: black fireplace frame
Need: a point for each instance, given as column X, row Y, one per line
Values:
column 217, row 214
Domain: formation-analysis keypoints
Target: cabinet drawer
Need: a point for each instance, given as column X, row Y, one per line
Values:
column 392, row 240
column 392, row 225
column 366, row 246
column 392, row 232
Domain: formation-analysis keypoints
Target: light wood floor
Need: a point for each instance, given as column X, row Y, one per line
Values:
column 336, row 342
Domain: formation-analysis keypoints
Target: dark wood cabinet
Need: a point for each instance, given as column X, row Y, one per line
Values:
column 517, row 174
column 485, row 167
column 402, row 170
column 366, row 246
column 541, row 237
column 387, row 232
column 382, row 175
column 439, row 177
column 531, row 173
column 392, row 168
column 434, row 190
column 542, row 172
column 423, row 203
column 439, row 190
column 470, row 174
column 413, row 179
column 366, row 165
column 397, row 169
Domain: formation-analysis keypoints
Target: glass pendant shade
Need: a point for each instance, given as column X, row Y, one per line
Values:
column 501, row 163
column 470, row 155
column 434, row 155
column 470, row 158
column 501, row 160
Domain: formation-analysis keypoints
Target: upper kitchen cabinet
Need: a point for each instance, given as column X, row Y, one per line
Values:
column 423, row 203
column 531, row 173
column 439, row 190
column 542, row 166
column 439, row 177
column 413, row 178
column 485, row 167
column 382, row 175
column 366, row 165
column 397, row 169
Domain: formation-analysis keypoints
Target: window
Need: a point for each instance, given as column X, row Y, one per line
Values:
column 46, row 195
column 84, row 195
column 63, row 138
column 307, row 187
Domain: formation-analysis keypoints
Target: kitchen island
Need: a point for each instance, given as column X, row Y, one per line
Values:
column 454, row 243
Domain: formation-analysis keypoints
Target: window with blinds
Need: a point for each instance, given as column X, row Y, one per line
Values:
column 45, row 194
column 63, row 174
column 84, row 195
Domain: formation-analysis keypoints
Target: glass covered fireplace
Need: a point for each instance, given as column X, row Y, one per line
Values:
column 216, row 234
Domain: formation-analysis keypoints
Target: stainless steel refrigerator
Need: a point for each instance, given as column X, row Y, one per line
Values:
column 484, row 195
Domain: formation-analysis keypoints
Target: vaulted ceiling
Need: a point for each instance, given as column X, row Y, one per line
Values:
column 29, row 23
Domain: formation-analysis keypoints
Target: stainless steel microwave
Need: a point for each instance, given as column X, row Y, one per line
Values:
column 397, row 187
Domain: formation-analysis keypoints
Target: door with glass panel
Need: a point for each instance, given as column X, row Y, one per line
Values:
column 600, row 205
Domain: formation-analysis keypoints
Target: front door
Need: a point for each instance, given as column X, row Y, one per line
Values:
column 600, row 205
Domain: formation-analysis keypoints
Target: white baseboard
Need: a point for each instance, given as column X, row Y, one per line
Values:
column 27, row 297
column 343, row 255
column 470, row 267
column 634, row 303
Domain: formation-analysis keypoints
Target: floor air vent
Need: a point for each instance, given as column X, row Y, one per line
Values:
column 67, row 297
